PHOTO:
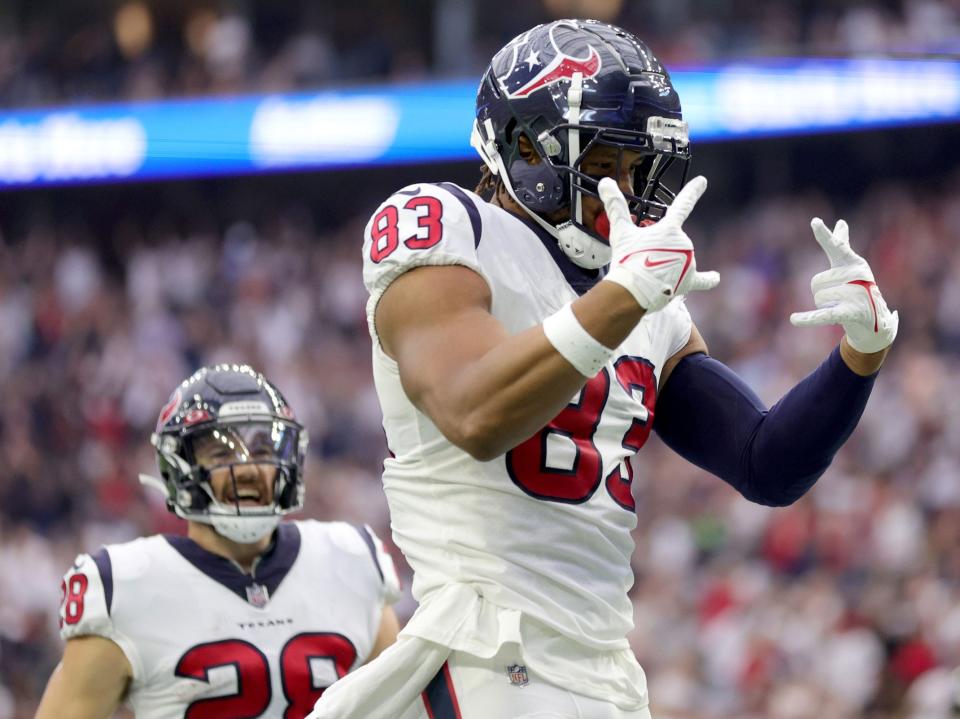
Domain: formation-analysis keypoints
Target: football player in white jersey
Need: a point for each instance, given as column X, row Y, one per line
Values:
column 243, row 617
column 523, row 349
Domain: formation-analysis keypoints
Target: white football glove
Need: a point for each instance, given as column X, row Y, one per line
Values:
column 654, row 263
column 847, row 294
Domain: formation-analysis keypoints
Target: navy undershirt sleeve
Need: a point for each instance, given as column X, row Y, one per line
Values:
column 708, row 415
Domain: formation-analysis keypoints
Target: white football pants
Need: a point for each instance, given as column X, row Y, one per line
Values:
column 472, row 688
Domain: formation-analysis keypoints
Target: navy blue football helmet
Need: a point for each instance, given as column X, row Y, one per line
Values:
column 567, row 86
column 236, row 407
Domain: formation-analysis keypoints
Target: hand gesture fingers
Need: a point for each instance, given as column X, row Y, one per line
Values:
column 835, row 243
column 615, row 204
column 834, row 305
column 817, row 318
column 703, row 281
column 686, row 200
column 847, row 294
column 857, row 270
column 654, row 263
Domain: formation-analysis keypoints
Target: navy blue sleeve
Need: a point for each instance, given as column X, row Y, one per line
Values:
column 708, row 415
column 105, row 567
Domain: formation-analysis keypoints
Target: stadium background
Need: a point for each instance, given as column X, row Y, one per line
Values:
column 846, row 604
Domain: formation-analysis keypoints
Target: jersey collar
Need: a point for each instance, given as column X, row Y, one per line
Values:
column 267, row 573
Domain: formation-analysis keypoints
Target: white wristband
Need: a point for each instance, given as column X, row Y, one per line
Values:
column 574, row 343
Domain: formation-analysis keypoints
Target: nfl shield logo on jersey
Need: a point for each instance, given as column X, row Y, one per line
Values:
column 258, row 595
column 518, row 675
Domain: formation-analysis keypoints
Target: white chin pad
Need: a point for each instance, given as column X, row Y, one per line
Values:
column 244, row 529
column 582, row 249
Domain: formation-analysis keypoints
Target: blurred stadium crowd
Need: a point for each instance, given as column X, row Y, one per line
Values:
column 846, row 604
column 138, row 50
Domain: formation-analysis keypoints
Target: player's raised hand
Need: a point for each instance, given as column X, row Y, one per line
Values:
column 654, row 263
column 847, row 294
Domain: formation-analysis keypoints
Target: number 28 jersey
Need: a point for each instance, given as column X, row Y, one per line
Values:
column 205, row 639
column 545, row 528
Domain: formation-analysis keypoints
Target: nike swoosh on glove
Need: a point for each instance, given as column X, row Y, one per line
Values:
column 654, row 263
column 847, row 294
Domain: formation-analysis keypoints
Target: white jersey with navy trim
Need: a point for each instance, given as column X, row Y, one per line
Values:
column 197, row 629
column 544, row 529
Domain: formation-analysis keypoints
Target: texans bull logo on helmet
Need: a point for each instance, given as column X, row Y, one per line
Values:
column 562, row 67
column 532, row 68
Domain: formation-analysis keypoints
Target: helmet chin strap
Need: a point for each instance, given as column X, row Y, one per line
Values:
column 582, row 249
column 244, row 529
column 574, row 100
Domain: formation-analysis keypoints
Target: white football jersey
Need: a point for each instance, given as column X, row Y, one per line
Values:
column 545, row 528
column 202, row 636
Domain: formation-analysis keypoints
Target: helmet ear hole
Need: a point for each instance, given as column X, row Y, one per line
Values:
column 526, row 150
column 509, row 129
